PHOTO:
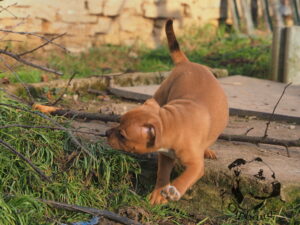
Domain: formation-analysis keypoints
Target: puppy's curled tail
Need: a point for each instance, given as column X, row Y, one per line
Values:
column 177, row 55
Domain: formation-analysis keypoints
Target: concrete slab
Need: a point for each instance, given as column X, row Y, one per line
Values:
column 248, row 96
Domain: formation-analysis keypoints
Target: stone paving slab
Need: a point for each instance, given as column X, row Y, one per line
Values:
column 246, row 95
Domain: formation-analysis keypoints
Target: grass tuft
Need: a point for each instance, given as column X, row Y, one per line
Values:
column 103, row 185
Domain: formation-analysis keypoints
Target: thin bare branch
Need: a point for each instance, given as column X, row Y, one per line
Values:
column 64, row 91
column 73, row 138
column 13, row 27
column 34, row 34
column 93, row 211
column 41, row 46
column 19, row 79
column 247, row 131
column 7, row 10
column 272, row 115
column 50, row 128
column 15, row 97
column 260, row 140
column 36, row 169
column 16, row 57
column 86, row 115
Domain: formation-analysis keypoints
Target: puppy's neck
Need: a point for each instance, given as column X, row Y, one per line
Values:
column 169, row 137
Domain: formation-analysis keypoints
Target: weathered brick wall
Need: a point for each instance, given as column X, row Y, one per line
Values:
column 95, row 22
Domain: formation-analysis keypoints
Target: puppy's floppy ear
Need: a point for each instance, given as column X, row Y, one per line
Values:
column 152, row 102
column 153, row 132
column 150, row 132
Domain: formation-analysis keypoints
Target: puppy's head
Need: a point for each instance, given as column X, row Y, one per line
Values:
column 139, row 130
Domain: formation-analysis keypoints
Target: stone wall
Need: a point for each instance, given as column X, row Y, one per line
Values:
column 94, row 22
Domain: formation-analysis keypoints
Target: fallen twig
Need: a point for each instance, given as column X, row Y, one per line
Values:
column 13, row 96
column 116, row 118
column 7, row 10
column 20, row 155
column 247, row 131
column 272, row 115
column 18, row 58
column 19, row 79
column 34, row 34
column 260, row 140
column 42, row 45
column 73, row 138
column 93, row 211
column 50, row 128
column 65, row 90
column 86, row 115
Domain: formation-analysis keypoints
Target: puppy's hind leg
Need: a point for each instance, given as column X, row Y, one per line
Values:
column 209, row 154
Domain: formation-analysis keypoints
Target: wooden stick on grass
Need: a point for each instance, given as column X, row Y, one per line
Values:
column 93, row 211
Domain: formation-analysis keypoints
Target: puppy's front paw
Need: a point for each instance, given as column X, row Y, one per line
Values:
column 171, row 193
column 156, row 197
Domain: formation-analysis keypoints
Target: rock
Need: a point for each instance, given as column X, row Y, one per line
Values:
column 75, row 97
column 134, row 6
column 75, row 14
column 292, row 127
column 219, row 72
column 95, row 6
column 131, row 23
column 103, row 25
column 112, row 7
column 162, row 9
column 113, row 36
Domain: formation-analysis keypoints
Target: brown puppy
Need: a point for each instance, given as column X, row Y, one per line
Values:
column 183, row 119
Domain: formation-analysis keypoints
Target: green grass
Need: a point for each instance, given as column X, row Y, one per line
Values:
column 218, row 49
column 110, row 184
column 272, row 213
column 25, row 74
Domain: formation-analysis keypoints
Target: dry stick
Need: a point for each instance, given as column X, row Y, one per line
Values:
column 36, row 169
column 247, row 131
column 7, row 10
column 74, row 139
column 50, row 128
column 93, row 211
column 41, row 46
column 14, row 96
column 260, row 140
column 65, row 90
column 16, row 57
column 85, row 115
column 272, row 115
column 13, row 27
column 18, row 77
column 33, row 34
column 116, row 118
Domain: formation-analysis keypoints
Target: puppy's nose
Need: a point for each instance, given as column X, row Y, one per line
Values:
column 108, row 132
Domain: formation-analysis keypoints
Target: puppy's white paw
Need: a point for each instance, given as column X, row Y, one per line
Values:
column 171, row 193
